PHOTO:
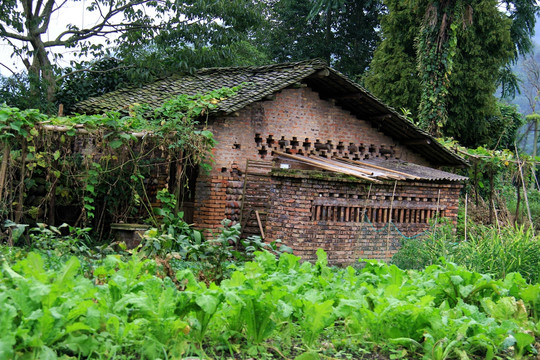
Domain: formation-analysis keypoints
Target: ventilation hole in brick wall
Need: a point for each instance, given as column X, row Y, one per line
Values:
column 223, row 169
column 283, row 143
column 263, row 152
column 385, row 152
column 326, row 148
column 375, row 215
column 258, row 139
column 306, row 144
column 236, row 146
column 361, row 148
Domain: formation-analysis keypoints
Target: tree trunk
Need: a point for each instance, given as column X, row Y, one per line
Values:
column 41, row 68
column 328, row 36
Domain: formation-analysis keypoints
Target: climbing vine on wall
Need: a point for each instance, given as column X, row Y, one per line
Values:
column 98, row 166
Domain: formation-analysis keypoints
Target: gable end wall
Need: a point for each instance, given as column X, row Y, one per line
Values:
column 287, row 204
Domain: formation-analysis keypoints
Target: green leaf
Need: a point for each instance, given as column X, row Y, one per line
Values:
column 310, row 355
column 523, row 340
column 115, row 144
column 208, row 303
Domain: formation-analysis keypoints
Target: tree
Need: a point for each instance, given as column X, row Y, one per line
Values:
column 343, row 32
column 134, row 27
column 453, row 65
column 531, row 90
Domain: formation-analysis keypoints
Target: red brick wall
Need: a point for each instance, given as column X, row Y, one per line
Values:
column 291, row 216
column 289, row 202
column 296, row 113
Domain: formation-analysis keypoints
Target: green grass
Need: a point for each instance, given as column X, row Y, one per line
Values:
column 488, row 249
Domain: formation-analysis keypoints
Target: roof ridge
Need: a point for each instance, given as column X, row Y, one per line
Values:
column 316, row 62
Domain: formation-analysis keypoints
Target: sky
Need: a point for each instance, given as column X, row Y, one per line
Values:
column 73, row 12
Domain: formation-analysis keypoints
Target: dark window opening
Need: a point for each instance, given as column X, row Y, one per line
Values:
column 184, row 189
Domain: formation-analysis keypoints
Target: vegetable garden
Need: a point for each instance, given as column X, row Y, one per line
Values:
column 274, row 308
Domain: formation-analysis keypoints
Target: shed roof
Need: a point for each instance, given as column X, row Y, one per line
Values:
column 375, row 170
column 262, row 81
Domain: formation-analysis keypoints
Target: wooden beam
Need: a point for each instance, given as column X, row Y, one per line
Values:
column 380, row 118
column 324, row 166
column 408, row 176
column 322, row 73
column 355, row 96
column 417, row 142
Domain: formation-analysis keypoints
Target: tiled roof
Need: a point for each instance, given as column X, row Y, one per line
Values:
column 262, row 81
column 257, row 83
column 418, row 171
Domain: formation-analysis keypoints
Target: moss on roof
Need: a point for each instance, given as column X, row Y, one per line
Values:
column 257, row 82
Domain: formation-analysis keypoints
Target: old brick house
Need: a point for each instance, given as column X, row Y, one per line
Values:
column 310, row 157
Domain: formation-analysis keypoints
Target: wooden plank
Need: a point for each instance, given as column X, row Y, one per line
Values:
column 324, row 166
column 408, row 176
column 343, row 164
column 382, row 174
column 260, row 224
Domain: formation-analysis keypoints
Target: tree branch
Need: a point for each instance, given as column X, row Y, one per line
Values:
column 7, row 34
column 37, row 9
column 83, row 34
column 45, row 17
column 93, row 71
column 7, row 67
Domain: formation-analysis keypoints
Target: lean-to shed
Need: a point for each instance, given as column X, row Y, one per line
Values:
column 308, row 156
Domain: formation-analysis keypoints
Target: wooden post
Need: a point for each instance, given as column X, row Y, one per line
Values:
column 525, row 197
column 497, row 220
column 476, row 183
column 365, row 209
column 20, row 201
column 466, row 203
column 260, row 224
column 244, row 193
column 3, row 167
column 390, row 220
column 518, row 202
column 491, row 201
column 178, row 186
